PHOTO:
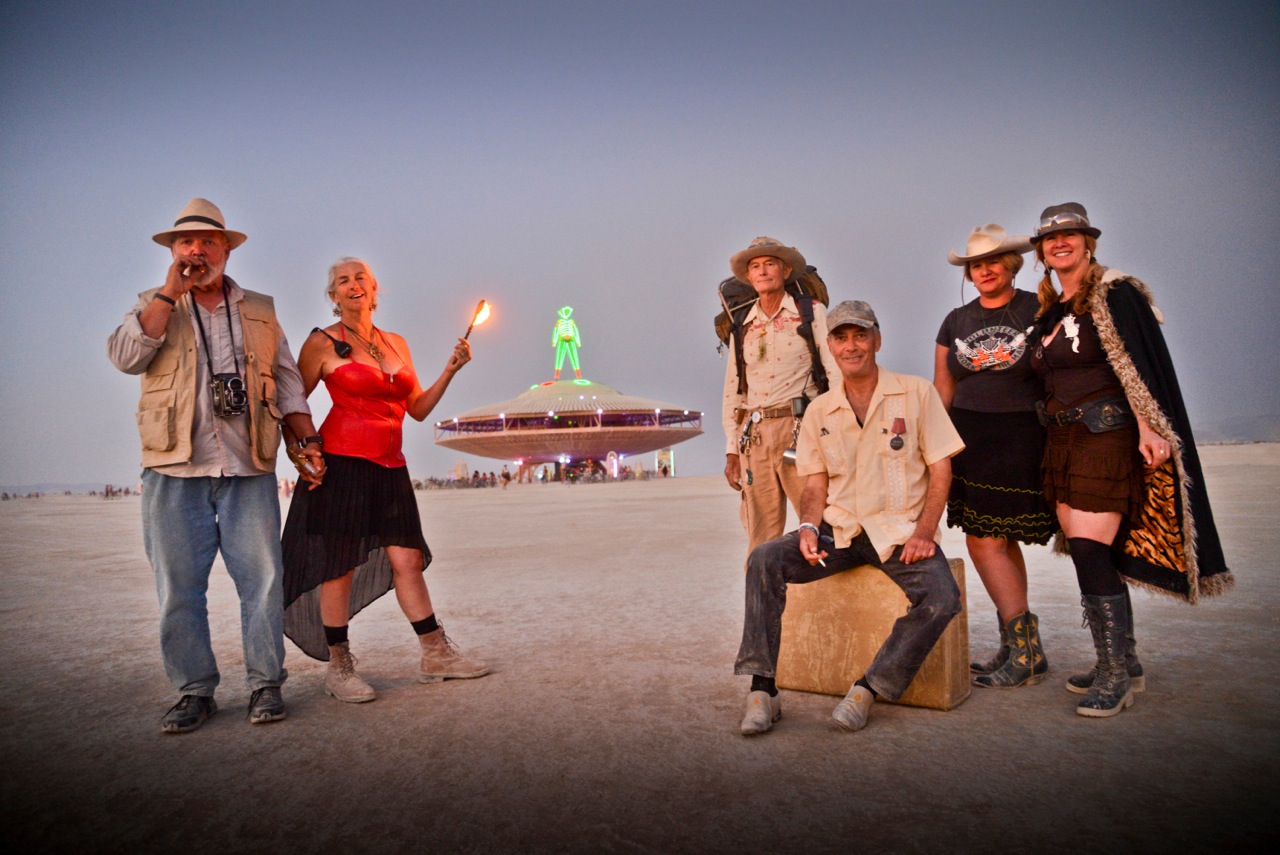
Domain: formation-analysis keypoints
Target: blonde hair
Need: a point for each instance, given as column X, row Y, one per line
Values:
column 1012, row 262
column 1049, row 295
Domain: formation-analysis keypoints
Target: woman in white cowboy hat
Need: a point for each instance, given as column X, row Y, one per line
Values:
column 1120, row 464
column 983, row 373
column 349, row 540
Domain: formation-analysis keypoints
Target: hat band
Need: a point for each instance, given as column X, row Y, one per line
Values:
column 195, row 219
column 1067, row 219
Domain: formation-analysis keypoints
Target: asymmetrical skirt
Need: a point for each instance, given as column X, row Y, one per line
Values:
column 345, row 524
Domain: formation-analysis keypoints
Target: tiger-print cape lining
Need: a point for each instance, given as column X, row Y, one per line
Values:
column 1145, row 405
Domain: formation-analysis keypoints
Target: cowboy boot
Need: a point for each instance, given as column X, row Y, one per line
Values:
column 1080, row 683
column 1111, row 691
column 997, row 659
column 341, row 680
column 1026, row 663
column 441, row 660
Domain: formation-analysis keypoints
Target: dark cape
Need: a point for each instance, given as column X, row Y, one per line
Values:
column 1174, row 547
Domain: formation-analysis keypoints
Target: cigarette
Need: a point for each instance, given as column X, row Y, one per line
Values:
column 823, row 563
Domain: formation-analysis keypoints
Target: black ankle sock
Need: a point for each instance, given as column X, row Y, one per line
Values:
column 427, row 624
column 862, row 681
column 1095, row 568
column 335, row 635
column 764, row 684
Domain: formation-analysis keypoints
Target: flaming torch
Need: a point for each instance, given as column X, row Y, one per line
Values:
column 481, row 315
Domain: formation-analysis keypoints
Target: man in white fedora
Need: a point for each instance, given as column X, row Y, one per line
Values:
column 875, row 454
column 775, row 368
column 217, row 379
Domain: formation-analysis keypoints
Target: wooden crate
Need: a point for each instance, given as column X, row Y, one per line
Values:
column 832, row 628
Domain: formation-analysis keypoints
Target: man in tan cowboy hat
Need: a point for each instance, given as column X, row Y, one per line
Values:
column 875, row 455
column 217, row 378
column 777, row 367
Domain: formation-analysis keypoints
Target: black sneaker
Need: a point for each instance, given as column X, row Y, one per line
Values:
column 188, row 714
column 266, row 705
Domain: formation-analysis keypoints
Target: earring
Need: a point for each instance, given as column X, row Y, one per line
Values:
column 337, row 313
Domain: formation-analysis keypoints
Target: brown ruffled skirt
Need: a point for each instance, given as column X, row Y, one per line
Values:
column 1097, row 472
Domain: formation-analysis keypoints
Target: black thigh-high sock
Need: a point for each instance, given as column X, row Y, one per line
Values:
column 1095, row 568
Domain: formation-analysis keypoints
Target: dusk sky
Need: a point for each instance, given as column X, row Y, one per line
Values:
column 612, row 156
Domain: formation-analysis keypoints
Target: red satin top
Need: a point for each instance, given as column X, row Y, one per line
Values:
column 368, row 412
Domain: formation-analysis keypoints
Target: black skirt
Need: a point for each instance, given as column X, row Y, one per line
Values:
column 345, row 524
column 996, row 487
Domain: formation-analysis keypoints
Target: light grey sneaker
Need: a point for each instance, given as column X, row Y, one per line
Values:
column 441, row 660
column 342, row 681
column 763, row 710
column 852, row 712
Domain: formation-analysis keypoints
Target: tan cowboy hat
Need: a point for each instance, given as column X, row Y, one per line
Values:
column 989, row 240
column 200, row 215
column 788, row 255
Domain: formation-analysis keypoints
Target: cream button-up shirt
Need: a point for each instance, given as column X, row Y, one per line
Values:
column 873, row 486
column 777, row 363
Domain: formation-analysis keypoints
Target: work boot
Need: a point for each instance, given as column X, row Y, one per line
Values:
column 1080, row 683
column 997, row 659
column 1111, row 691
column 763, row 710
column 441, row 660
column 1026, row 663
column 342, row 681
column 852, row 712
column 266, row 705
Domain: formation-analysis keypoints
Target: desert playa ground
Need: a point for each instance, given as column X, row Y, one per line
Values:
column 611, row 615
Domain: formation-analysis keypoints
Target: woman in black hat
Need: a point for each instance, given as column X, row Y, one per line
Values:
column 1120, row 464
column 983, row 373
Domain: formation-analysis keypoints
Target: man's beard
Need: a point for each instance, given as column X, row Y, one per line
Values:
column 205, row 276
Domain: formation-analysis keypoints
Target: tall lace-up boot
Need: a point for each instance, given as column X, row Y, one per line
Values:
column 1080, row 683
column 1111, row 691
column 1026, row 663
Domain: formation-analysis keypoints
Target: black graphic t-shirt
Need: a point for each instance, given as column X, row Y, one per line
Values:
column 988, row 357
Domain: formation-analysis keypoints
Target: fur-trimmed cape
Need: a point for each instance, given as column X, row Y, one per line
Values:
column 1174, row 547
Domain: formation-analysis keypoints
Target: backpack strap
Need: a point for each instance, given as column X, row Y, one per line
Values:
column 739, row 358
column 818, row 371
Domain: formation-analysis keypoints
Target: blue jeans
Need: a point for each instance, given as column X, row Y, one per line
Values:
column 185, row 522
column 930, row 588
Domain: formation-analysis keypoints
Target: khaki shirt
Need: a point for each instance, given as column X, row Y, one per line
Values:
column 777, row 363
column 873, row 486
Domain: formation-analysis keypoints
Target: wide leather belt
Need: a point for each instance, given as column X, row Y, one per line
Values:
column 1099, row 416
column 773, row 413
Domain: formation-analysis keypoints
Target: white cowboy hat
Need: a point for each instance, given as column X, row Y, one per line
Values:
column 988, row 240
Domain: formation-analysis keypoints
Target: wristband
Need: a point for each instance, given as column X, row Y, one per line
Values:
column 811, row 527
column 169, row 300
column 307, row 440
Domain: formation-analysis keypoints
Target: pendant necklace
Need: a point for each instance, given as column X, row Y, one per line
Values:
column 370, row 346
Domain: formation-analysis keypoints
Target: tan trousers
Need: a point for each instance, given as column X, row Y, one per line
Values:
column 771, row 482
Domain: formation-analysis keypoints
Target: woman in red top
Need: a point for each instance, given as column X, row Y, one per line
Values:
column 352, row 538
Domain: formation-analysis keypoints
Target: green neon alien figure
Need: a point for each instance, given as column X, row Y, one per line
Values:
column 565, row 338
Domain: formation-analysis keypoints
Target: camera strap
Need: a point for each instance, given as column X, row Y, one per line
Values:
column 231, row 331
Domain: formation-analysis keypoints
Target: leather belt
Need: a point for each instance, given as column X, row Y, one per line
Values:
column 741, row 415
column 1099, row 416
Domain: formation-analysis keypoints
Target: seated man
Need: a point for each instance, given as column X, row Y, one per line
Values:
column 875, row 452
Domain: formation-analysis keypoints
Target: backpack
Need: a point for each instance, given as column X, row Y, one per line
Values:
column 737, row 297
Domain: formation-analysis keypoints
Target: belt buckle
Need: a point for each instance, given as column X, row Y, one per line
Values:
column 756, row 417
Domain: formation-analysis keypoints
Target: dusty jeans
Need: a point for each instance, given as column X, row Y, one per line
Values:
column 930, row 588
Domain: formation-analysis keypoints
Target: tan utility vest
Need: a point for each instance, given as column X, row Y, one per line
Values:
column 167, row 408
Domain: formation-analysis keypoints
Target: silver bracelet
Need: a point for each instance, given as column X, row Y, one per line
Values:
column 811, row 527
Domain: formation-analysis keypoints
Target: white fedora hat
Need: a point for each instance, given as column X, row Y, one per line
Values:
column 200, row 215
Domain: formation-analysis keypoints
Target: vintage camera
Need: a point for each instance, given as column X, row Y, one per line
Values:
column 230, row 398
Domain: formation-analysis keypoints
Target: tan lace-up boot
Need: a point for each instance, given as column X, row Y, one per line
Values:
column 342, row 681
column 441, row 660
